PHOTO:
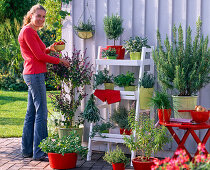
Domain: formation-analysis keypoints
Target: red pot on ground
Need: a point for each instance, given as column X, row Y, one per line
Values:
column 59, row 161
column 139, row 165
column 200, row 117
column 164, row 115
column 118, row 166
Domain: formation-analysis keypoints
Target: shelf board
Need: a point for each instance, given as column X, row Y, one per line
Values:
column 118, row 62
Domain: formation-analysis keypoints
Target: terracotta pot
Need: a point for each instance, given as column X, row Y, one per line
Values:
column 200, row 117
column 59, row 161
column 164, row 115
column 118, row 166
column 139, row 165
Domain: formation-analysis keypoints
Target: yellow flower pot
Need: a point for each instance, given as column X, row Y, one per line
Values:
column 130, row 88
column 135, row 55
column 109, row 86
column 144, row 97
column 85, row 34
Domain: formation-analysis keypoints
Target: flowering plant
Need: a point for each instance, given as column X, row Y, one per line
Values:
column 135, row 44
column 67, row 144
column 182, row 161
column 73, row 80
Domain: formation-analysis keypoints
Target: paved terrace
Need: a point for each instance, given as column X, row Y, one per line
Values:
column 11, row 159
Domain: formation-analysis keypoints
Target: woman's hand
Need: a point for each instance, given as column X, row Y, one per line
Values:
column 64, row 62
column 52, row 47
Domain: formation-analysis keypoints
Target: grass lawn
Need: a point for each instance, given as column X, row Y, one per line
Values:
column 13, row 107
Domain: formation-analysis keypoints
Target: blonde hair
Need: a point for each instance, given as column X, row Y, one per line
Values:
column 27, row 18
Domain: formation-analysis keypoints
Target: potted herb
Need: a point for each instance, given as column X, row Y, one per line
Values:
column 91, row 112
column 116, row 158
column 103, row 77
column 85, row 30
column 99, row 128
column 120, row 117
column 109, row 54
column 146, row 84
column 183, row 66
column 134, row 47
column 62, row 152
column 113, row 29
column 126, row 81
column 67, row 101
column 147, row 140
column 161, row 101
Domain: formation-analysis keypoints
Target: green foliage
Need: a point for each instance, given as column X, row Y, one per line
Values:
column 147, row 81
column 148, row 139
column 120, row 117
column 183, row 67
column 109, row 52
column 66, row 144
column 113, row 27
column 135, row 44
column 116, row 156
column 91, row 112
column 99, row 128
column 161, row 100
column 55, row 15
column 102, row 77
column 123, row 80
column 47, row 36
column 11, row 9
column 82, row 26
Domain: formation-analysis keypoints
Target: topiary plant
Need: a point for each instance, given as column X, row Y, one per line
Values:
column 113, row 27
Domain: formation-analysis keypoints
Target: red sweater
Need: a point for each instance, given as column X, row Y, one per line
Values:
column 34, row 52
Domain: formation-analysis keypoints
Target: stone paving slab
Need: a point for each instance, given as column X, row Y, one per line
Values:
column 11, row 159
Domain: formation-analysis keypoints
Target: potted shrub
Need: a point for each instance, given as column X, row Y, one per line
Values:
column 126, row 81
column 146, row 90
column 72, row 81
column 116, row 158
column 147, row 140
column 120, row 117
column 134, row 47
column 91, row 112
column 113, row 29
column 62, row 152
column 163, row 104
column 103, row 77
column 85, row 30
column 99, row 128
column 109, row 54
column 184, row 67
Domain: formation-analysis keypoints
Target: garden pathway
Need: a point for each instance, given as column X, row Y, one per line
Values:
column 11, row 159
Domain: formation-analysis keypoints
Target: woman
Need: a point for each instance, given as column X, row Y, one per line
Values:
column 35, row 56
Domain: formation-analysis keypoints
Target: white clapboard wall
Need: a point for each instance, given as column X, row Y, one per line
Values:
column 140, row 18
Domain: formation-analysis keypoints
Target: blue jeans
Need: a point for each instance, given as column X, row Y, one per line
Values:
column 35, row 124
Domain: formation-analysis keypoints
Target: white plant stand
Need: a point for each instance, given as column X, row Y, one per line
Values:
column 125, row 95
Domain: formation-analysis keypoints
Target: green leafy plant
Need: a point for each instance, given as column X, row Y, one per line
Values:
column 82, row 26
column 116, row 156
column 102, row 77
column 113, row 27
column 185, row 67
column 120, row 117
column 161, row 100
column 99, row 128
column 67, row 144
column 135, row 44
column 147, row 81
column 109, row 52
column 91, row 112
column 123, row 80
column 148, row 139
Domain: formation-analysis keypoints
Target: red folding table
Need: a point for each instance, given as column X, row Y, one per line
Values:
column 190, row 129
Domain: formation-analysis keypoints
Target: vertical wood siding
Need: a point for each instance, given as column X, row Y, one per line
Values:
column 140, row 18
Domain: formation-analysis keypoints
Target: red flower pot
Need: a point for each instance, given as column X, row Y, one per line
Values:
column 200, row 117
column 164, row 115
column 59, row 161
column 139, row 165
column 128, row 132
column 119, row 50
column 118, row 166
column 122, row 131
